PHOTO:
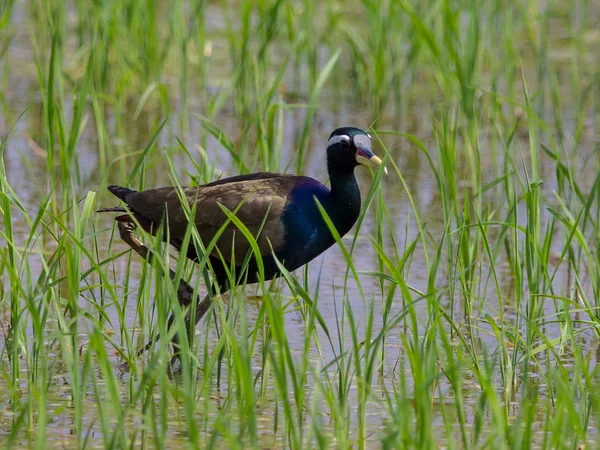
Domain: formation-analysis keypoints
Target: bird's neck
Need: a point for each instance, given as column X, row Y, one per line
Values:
column 344, row 205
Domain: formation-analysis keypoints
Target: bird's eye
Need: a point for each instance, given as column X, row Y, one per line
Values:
column 344, row 144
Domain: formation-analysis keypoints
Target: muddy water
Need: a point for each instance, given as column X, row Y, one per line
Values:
column 26, row 166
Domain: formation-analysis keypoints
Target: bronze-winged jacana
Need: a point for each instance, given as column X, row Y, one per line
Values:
column 279, row 210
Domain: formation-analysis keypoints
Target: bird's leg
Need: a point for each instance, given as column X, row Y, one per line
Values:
column 201, row 308
column 185, row 293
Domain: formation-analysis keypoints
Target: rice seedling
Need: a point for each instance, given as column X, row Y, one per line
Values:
column 461, row 311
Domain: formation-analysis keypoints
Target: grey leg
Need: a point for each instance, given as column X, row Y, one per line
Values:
column 185, row 293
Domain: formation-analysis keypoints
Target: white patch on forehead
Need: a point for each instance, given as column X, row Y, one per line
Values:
column 339, row 138
column 362, row 140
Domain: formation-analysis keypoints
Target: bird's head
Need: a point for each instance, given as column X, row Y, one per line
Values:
column 348, row 147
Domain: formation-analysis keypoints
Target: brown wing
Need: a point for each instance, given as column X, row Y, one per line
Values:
column 257, row 198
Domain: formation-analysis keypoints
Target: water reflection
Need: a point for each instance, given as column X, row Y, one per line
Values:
column 128, row 132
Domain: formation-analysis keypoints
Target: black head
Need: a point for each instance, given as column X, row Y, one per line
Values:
column 347, row 148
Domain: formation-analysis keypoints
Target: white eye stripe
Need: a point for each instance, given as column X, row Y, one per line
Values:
column 336, row 139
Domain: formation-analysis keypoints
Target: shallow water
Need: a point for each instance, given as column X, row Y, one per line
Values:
column 27, row 174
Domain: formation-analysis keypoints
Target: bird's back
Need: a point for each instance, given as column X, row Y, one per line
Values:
column 258, row 201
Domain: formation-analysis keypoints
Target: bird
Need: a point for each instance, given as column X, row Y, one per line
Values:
column 282, row 211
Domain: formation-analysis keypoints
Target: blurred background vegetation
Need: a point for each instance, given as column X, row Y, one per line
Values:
column 464, row 311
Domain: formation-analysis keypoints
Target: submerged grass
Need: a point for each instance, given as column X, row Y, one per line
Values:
column 463, row 312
